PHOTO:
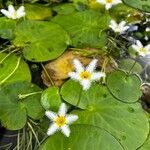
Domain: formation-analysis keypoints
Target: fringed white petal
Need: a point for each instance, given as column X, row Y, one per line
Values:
column 147, row 47
column 113, row 24
column 6, row 13
column 62, row 110
column 115, row 2
column 71, row 118
column 11, row 9
column 92, row 65
column 52, row 129
column 21, row 12
column 101, row 1
column 139, row 44
column 51, row 115
column 78, row 66
column 135, row 47
column 122, row 24
column 108, row 6
column 73, row 75
column 85, row 84
column 65, row 130
column 97, row 75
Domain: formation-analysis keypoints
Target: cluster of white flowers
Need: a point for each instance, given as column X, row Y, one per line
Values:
column 12, row 13
column 109, row 3
column 60, row 121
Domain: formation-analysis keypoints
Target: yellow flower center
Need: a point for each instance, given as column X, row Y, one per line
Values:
column 15, row 14
column 85, row 75
column 109, row 1
column 60, row 121
column 143, row 50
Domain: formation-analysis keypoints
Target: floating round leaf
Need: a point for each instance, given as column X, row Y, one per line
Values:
column 92, row 138
column 6, row 28
column 51, row 99
column 122, row 120
column 143, row 5
column 124, row 87
column 37, row 12
column 41, row 41
column 85, row 28
column 17, row 101
column 126, row 65
column 64, row 9
column 12, row 69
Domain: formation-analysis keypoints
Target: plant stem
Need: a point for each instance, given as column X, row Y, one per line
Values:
column 78, row 102
column 11, row 72
column 47, row 74
column 32, row 130
column 8, row 55
column 22, row 96
column 132, row 67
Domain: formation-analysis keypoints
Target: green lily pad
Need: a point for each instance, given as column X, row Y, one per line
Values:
column 12, row 69
column 7, row 27
column 122, row 120
column 124, row 87
column 41, row 41
column 126, row 65
column 51, row 98
column 86, row 28
column 64, row 9
column 92, row 138
column 146, row 145
column 18, row 101
column 143, row 5
column 37, row 12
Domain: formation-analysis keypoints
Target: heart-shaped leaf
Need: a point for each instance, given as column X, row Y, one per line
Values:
column 51, row 98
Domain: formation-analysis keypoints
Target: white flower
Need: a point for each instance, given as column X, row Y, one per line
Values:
column 12, row 13
column 119, row 28
column 109, row 3
column 147, row 29
column 142, row 50
column 85, row 75
column 60, row 121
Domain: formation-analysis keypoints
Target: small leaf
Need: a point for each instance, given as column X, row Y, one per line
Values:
column 51, row 99
column 143, row 5
column 126, row 65
column 37, row 12
column 7, row 27
column 124, row 87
